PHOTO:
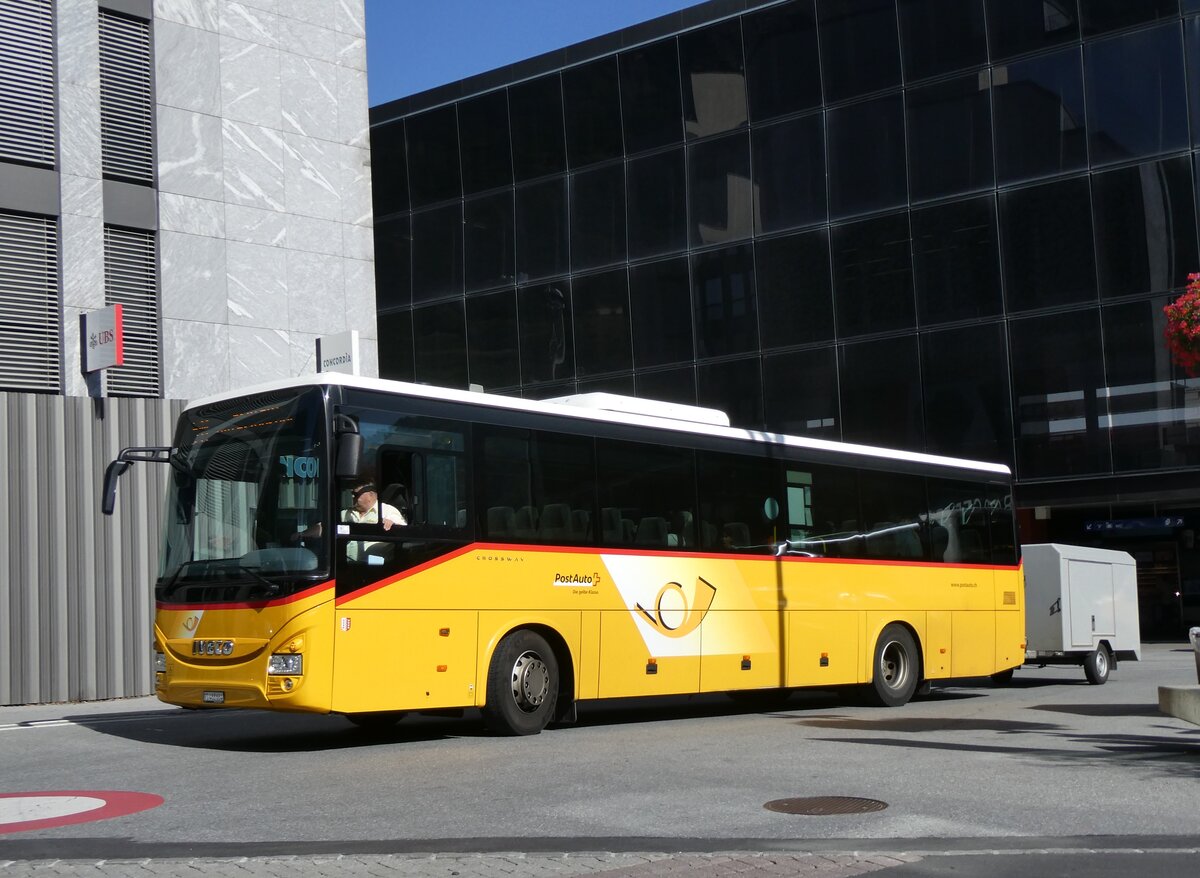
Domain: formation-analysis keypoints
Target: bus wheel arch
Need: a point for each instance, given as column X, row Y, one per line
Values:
column 896, row 669
column 529, row 676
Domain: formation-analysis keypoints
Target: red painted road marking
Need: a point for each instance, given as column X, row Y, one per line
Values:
column 22, row 812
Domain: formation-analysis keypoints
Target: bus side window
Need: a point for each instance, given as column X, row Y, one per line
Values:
column 735, row 495
column 650, row 486
column 823, row 516
column 894, row 511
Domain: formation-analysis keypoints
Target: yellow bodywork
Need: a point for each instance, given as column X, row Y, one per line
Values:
column 624, row 623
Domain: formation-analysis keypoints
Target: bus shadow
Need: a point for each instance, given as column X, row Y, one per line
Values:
column 1150, row 710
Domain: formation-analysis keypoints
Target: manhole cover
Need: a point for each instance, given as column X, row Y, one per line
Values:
column 818, row 806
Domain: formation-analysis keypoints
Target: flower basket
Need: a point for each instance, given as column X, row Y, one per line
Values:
column 1183, row 328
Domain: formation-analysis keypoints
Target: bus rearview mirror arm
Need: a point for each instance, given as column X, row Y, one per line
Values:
column 114, row 471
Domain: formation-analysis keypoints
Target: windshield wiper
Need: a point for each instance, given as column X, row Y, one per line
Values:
column 271, row 587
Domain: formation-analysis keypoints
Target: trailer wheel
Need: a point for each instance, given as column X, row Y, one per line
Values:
column 1096, row 665
column 896, row 668
column 522, row 685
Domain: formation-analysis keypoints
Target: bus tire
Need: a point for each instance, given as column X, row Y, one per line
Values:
column 522, row 685
column 896, row 669
column 1096, row 665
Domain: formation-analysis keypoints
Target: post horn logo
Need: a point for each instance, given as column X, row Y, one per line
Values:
column 678, row 611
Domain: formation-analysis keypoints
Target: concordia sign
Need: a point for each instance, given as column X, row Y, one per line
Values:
column 338, row 353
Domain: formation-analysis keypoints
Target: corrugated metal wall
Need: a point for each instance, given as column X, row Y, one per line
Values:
column 75, row 585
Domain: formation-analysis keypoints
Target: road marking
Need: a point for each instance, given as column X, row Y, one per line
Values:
column 22, row 812
column 102, row 721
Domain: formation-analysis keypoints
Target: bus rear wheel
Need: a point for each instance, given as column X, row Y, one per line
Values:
column 896, row 668
column 522, row 685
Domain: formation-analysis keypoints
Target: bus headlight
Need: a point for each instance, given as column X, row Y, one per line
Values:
column 291, row 664
column 160, row 663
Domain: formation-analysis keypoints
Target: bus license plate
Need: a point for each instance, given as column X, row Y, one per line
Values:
column 214, row 697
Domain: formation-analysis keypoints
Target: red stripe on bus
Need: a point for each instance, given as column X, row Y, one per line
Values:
column 405, row 574
column 250, row 605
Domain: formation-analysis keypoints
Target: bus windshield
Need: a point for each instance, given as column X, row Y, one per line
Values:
column 246, row 499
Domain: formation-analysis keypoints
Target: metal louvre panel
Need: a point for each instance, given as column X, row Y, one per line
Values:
column 30, row 319
column 130, row 280
column 27, row 81
column 126, row 102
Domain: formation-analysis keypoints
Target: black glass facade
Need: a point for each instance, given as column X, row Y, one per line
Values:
column 945, row 225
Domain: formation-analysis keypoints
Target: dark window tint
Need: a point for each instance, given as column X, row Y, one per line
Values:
column 881, row 397
column 940, row 36
column 1099, row 16
column 894, row 511
column 823, row 515
column 740, row 504
column 440, row 345
column 965, row 376
column 486, row 152
column 489, row 240
column 860, row 52
column 782, row 65
column 1145, row 227
column 1019, row 26
column 541, row 229
column 1039, row 116
column 433, row 156
column 1047, row 246
column 592, row 100
column 603, row 339
column 713, row 79
column 536, row 486
column 1057, row 377
column 437, row 252
column 733, row 387
column 789, row 174
column 657, row 204
column 866, row 157
column 650, row 98
column 956, row 261
column 1191, row 28
column 393, row 280
column 396, row 346
column 721, row 203
column 872, row 276
column 389, row 168
column 950, row 137
column 1135, row 94
column 598, row 217
column 672, row 385
column 660, row 298
column 536, row 116
column 795, row 296
column 544, row 326
column 723, row 296
column 647, row 494
column 959, row 522
column 801, row 393
column 492, row 349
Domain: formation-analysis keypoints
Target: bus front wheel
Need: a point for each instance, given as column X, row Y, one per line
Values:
column 896, row 669
column 522, row 685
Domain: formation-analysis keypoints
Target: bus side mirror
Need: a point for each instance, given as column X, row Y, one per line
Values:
column 349, row 453
column 114, row 471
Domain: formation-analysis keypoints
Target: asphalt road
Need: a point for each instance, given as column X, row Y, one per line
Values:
column 1048, row 771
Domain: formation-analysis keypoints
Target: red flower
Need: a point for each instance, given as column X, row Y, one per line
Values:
column 1183, row 328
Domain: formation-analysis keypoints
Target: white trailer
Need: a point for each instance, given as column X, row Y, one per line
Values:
column 1081, row 608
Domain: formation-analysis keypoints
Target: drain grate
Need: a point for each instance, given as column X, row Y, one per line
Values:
column 820, row 806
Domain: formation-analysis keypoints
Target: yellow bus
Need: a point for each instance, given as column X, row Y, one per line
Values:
column 523, row 556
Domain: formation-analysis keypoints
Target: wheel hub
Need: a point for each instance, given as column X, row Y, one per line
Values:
column 530, row 681
column 894, row 664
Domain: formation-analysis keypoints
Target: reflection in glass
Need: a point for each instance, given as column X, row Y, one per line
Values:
column 795, row 294
column 940, row 36
column 956, row 261
column 489, row 240
column 544, row 328
column 713, row 79
column 1019, row 26
column 1039, row 116
column 965, row 376
column 872, row 276
column 950, row 137
column 860, row 51
column 437, row 252
column 671, row 385
column 801, row 393
column 1046, row 235
column 396, row 346
column 1099, row 16
column 486, row 150
column 721, row 206
column 650, row 99
column 542, row 229
column 866, row 157
column 598, row 217
column 389, row 178
column 724, row 302
column 593, row 112
column 782, row 65
column 393, row 279
column 789, row 174
column 603, row 340
column 660, row 298
column 733, row 387
column 492, row 340
column 440, row 345
column 536, row 119
column 882, row 406
column 657, row 212
column 433, row 156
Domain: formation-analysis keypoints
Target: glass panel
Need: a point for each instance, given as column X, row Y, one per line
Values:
column 713, row 79
column 866, row 157
column 967, row 404
column 598, row 217
column 493, row 354
column 393, row 265
column 650, row 98
column 950, row 137
column 536, row 117
column 940, row 36
column 603, row 339
column 593, row 106
column 622, row 384
column 1145, row 227
column 544, row 323
column 723, row 296
column 647, row 494
column 542, row 229
column 872, row 276
column 959, row 520
column 801, row 392
column 721, row 207
column 1099, row 16
column 660, row 295
column 894, row 512
column 782, row 65
column 735, row 495
column 433, row 156
column 389, row 173
column 860, row 52
column 1019, row 26
column 1191, row 29
column 657, row 204
column 440, row 345
column 1047, row 247
column 1039, row 116
column 489, row 240
column 1135, row 95
column 956, row 261
column 881, row 393
column 437, row 253
column 486, row 151
column 396, row 346
column 1057, row 376
column 795, row 295
column 823, row 517
column 733, row 387
column 672, row 385
column 789, row 174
